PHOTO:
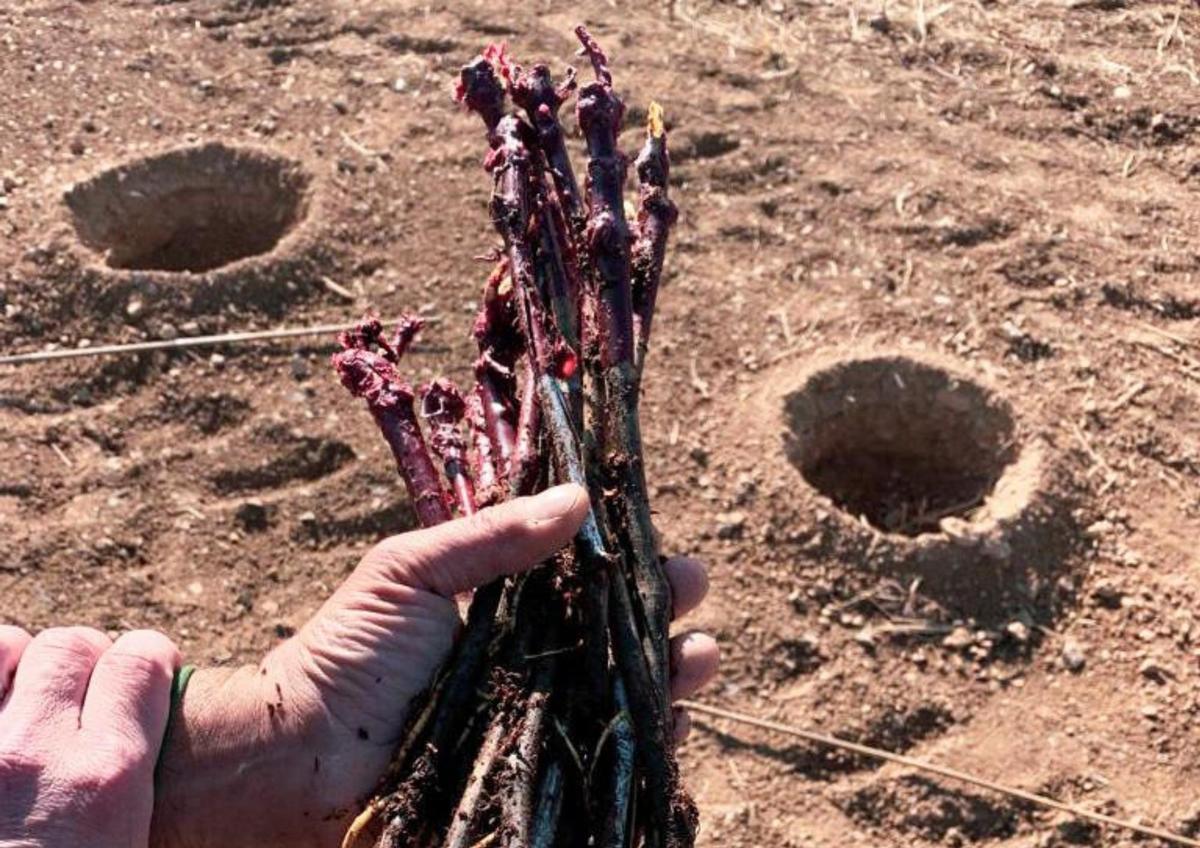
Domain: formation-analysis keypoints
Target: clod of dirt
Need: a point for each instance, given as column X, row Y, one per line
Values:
column 189, row 210
column 903, row 444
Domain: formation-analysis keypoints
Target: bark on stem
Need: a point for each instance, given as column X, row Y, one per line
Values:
column 407, row 808
column 467, row 811
column 517, row 807
column 443, row 407
column 656, row 215
column 549, row 808
column 483, row 455
column 675, row 814
column 527, row 460
column 600, row 112
column 373, row 378
column 535, row 92
column 617, row 824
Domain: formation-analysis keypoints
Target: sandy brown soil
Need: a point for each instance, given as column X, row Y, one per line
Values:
column 1009, row 189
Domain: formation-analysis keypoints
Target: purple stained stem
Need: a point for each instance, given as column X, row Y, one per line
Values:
column 558, row 277
column 495, row 329
column 656, row 215
column 368, row 334
column 443, row 407
column 527, row 462
column 483, row 454
column 497, row 415
column 558, row 263
column 535, row 92
column 600, row 113
column 599, row 59
column 480, row 90
column 512, row 210
column 500, row 346
column 372, row 377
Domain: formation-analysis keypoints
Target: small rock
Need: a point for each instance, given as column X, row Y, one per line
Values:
column 135, row 307
column 1152, row 670
column 400, row 84
column 252, row 515
column 1150, row 711
column 1073, row 658
column 189, row 328
column 308, row 518
column 77, row 147
column 299, row 366
column 195, row 588
column 746, row 487
column 1107, row 594
column 865, row 637
column 217, row 361
column 168, row 332
column 269, row 607
column 1098, row 528
column 730, row 524
column 1122, row 92
column 341, row 105
column 958, row 638
column 1018, row 631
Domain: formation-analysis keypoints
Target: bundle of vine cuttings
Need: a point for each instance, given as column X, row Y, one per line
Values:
column 551, row 723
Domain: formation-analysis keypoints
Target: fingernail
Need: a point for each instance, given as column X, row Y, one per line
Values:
column 553, row 504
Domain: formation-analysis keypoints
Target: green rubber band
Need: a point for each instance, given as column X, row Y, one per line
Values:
column 179, row 684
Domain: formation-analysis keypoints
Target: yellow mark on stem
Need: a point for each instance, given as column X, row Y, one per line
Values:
column 654, row 120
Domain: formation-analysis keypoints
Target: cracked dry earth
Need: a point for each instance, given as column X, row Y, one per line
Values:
column 1006, row 190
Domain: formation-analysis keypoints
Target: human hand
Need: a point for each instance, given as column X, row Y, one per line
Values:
column 81, row 723
column 320, row 718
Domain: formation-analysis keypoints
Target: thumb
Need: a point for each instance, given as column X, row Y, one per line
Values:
column 460, row 555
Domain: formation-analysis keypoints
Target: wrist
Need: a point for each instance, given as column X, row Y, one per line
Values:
column 249, row 760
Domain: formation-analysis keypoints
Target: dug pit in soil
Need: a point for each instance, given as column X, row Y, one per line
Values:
column 902, row 444
column 189, row 210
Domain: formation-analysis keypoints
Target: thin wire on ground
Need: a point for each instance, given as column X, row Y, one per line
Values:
column 187, row 342
column 942, row 771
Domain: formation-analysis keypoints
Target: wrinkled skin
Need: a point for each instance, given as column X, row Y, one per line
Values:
column 81, row 723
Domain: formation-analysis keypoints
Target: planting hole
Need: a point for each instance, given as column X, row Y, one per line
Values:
column 899, row 443
column 193, row 209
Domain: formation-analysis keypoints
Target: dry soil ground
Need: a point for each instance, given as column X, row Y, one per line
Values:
column 1007, row 189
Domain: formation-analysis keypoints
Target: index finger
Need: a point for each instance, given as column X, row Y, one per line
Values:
column 689, row 584
column 12, row 644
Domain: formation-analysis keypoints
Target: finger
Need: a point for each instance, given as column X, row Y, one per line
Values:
column 505, row 539
column 129, row 695
column 689, row 584
column 694, row 660
column 53, row 675
column 12, row 643
column 682, row 725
